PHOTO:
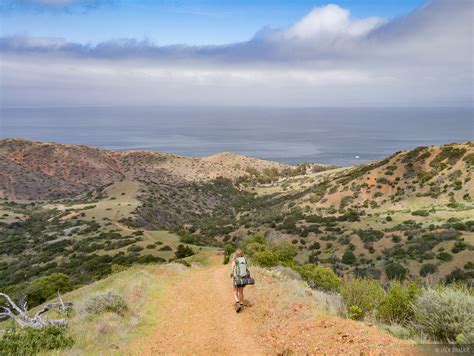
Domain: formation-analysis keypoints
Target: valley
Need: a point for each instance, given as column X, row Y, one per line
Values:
column 409, row 215
column 73, row 218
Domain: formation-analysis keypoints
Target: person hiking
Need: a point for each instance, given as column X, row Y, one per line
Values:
column 239, row 270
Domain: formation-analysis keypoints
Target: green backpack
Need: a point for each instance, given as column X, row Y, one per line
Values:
column 241, row 269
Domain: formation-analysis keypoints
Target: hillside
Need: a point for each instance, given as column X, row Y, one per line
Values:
column 118, row 219
column 172, row 309
column 54, row 170
column 411, row 212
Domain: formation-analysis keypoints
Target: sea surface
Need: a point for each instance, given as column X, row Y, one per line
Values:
column 340, row 136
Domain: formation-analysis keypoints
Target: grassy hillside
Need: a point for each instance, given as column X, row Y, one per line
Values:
column 411, row 212
column 118, row 218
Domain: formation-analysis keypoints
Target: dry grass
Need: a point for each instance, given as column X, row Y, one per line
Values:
column 142, row 289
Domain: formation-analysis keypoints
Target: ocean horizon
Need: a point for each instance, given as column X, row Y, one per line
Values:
column 339, row 136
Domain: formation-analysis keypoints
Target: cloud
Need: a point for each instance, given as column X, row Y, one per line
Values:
column 330, row 21
column 326, row 58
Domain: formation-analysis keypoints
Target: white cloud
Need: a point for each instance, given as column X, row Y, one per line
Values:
column 330, row 21
column 326, row 58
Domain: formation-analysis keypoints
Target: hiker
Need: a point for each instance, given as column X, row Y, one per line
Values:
column 241, row 277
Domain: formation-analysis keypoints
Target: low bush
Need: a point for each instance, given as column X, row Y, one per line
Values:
column 319, row 277
column 184, row 251
column 395, row 307
column 445, row 314
column 265, row 258
column 420, row 213
column 427, row 268
column 399, row 331
column 103, row 302
column 444, row 256
column 395, row 270
column 29, row 341
column 284, row 252
column 40, row 290
column 362, row 296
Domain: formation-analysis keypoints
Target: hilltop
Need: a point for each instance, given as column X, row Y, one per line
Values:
column 51, row 170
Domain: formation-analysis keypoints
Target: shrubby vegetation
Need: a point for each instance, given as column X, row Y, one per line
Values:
column 395, row 306
column 48, row 254
column 98, row 303
column 403, row 303
column 362, row 296
column 267, row 254
column 29, row 341
column 445, row 314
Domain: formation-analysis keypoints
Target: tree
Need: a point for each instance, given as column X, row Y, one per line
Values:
column 348, row 258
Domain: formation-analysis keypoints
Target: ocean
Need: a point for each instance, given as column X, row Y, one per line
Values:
column 339, row 136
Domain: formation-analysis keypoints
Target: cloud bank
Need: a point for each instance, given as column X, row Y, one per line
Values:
column 326, row 58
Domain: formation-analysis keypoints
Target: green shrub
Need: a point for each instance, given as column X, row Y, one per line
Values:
column 184, row 251
column 228, row 251
column 427, row 268
column 458, row 275
column 469, row 265
column 166, row 248
column 284, row 251
column 355, row 312
column 265, row 258
column 134, row 248
column 365, row 294
column 396, row 238
column 103, row 302
column 395, row 307
column 420, row 213
column 444, row 256
column 43, row 288
column 29, row 341
column 319, row 277
column 445, row 314
column 395, row 270
column 348, row 257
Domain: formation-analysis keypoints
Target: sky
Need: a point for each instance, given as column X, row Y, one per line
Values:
column 248, row 53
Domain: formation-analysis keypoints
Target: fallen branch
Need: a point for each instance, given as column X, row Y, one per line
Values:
column 20, row 314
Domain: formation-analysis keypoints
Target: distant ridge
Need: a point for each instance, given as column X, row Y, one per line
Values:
column 39, row 170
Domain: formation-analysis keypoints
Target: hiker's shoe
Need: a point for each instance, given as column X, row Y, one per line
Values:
column 238, row 307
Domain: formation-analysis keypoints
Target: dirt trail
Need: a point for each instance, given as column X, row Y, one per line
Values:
column 199, row 319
